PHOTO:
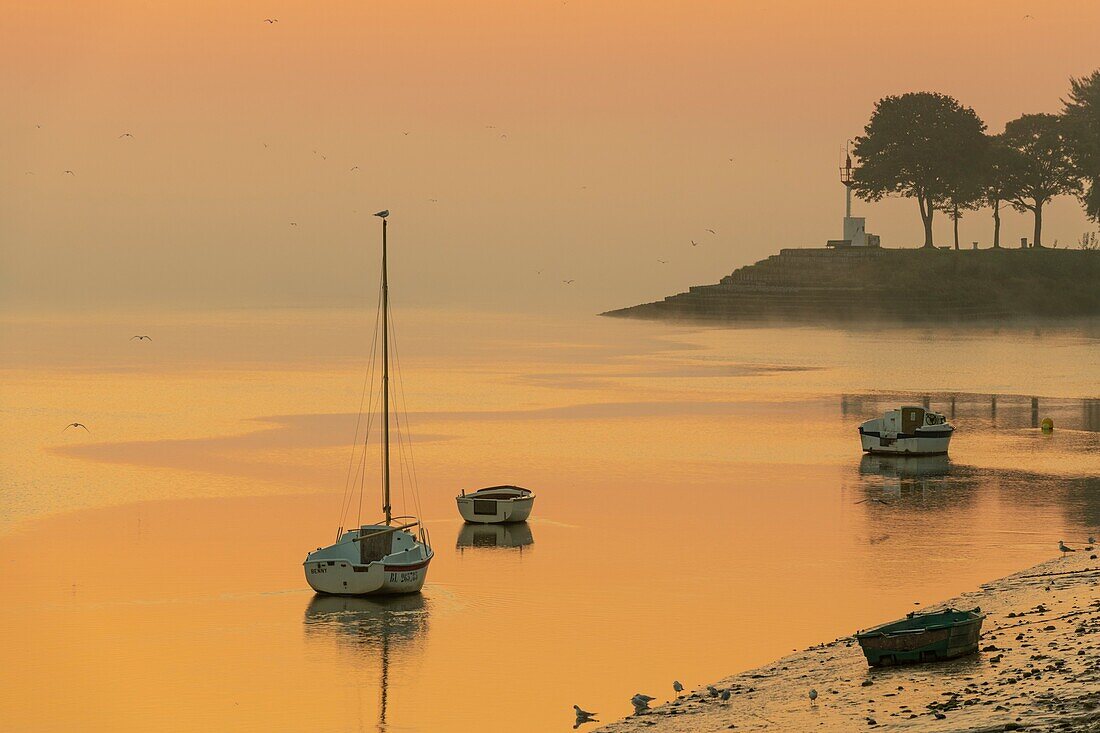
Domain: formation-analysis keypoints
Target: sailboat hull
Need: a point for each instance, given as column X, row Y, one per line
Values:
column 343, row 578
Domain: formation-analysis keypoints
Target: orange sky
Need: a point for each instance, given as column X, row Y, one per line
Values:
column 620, row 119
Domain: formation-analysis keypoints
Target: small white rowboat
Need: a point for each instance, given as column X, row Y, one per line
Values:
column 496, row 505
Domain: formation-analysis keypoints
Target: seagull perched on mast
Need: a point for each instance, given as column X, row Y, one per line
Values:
column 383, row 213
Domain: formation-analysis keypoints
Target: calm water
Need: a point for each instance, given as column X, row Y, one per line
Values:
column 700, row 509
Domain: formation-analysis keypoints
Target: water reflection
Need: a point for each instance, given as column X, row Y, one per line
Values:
column 365, row 625
column 916, row 482
column 482, row 536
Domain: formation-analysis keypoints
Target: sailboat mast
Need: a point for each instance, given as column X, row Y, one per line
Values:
column 385, row 380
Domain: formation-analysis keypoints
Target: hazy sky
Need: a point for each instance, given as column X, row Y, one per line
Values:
column 585, row 139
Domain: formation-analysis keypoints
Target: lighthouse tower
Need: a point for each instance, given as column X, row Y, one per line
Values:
column 855, row 231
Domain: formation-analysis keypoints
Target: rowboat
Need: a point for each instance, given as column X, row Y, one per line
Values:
column 496, row 505
column 923, row 637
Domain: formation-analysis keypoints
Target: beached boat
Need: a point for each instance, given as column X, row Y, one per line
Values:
column 912, row 431
column 923, row 637
column 382, row 558
column 496, row 505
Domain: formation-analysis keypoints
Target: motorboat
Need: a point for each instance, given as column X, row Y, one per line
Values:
column 909, row 430
column 387, row 557
column 496, row 505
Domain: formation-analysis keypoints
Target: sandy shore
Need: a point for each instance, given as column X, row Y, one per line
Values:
column 1039, row 670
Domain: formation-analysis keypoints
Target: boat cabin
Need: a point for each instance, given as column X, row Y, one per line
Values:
column 907, row 419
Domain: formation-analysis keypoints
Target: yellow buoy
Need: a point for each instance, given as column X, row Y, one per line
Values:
column 1047, row 425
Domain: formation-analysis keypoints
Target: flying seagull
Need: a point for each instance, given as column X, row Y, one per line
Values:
column 874, row 499
column 271, row 20
column 355, row 168
column 677, row 686
column 813, row 696
column 567, row 282
column 141, row 338
column 712, row 231
column 383, row 213
column 1064, row 549
column 70, row 173
column 293, row 223
column 694, row 243
column 125, row 134
column 663, row 262
column 75, row 425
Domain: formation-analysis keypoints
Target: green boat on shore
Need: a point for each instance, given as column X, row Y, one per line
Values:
column 923, row 637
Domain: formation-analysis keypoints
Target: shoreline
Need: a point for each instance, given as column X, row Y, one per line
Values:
column 1038, row 669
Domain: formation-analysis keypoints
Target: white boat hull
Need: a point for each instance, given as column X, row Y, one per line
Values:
column 901, row 444
column 341, row 577
column 505, row 510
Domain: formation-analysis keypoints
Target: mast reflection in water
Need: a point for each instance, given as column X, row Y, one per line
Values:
column 370, row 628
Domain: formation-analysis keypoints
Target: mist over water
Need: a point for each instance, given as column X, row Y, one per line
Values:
column 696, row 515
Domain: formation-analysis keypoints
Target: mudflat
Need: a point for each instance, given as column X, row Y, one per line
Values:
column 1038, row 670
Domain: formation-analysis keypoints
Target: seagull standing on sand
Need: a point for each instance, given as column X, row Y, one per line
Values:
column 75, row 425
column 641, row 702
column 1092, row 540
column 677, row 686
column 813, row 696
column 725, row 696
column 1064, row 549
column 712, row 690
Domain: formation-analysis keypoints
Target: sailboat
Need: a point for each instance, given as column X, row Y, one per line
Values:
column 391, row 556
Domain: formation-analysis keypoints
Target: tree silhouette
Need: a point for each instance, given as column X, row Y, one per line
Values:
column 996, row 182
column 1082, row 129
column 1041, row 167
column 920, row 145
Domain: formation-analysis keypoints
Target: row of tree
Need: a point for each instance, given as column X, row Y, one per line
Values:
column 930, row 147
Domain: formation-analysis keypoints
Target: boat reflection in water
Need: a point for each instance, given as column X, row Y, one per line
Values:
column 917, row 482
column 481, row 536
column 371, row 627
column 904, row 466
